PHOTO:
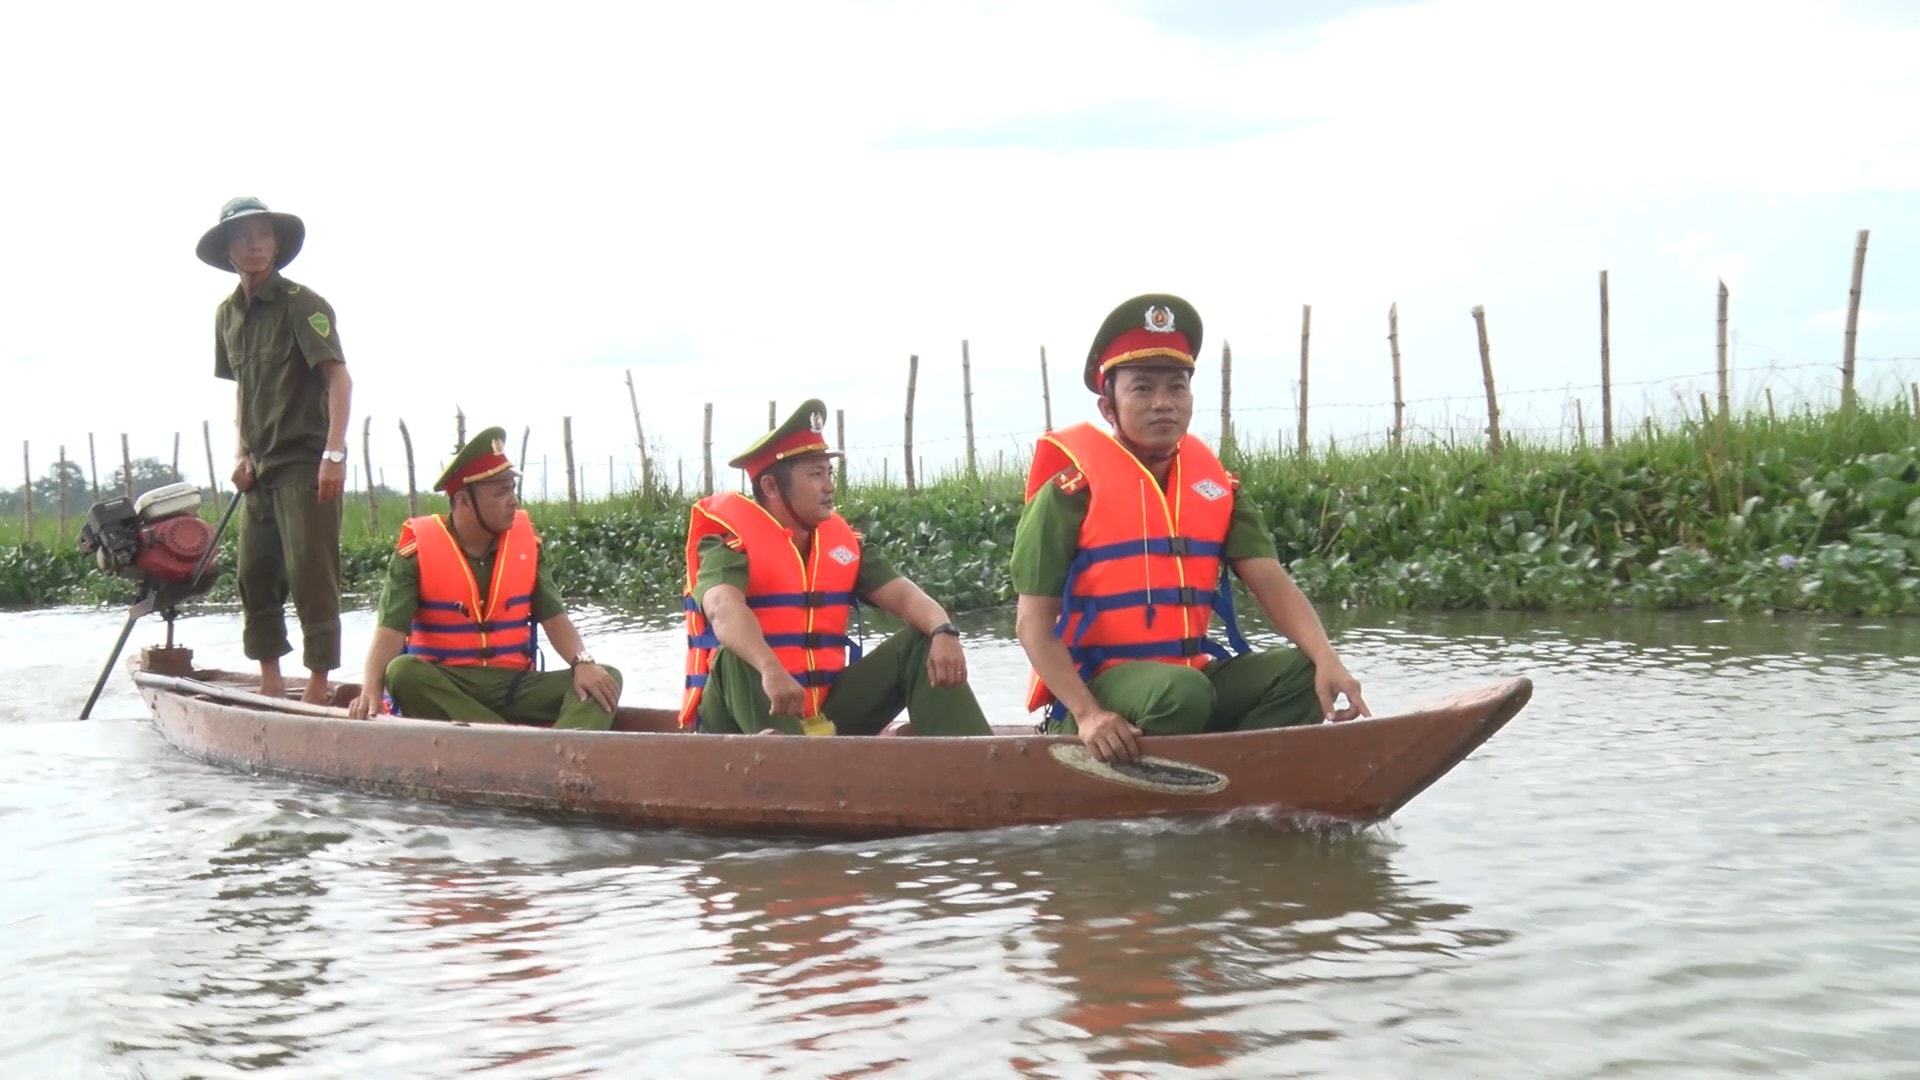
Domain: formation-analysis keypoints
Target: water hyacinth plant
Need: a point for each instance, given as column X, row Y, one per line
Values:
column 1810, row 512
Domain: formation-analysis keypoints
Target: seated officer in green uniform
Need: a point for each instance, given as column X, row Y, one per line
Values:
column 278, row 342
column 463, row 595
column 772, row 582
column 1120, row 560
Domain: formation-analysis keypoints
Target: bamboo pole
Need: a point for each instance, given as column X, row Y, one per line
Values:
column 1853, row 320
column 913, row 377
column 1046, row 389
column 1916, row 399
column 63, row 495
column 1399, row 399
column 126, row 465
column 26, row 489
column 459, row 429
column 706, row 447
column 966, row 384
column 1226, row 397
column 1720, row 350
column 840, row 442
column 640, row 441
column 609, row 476
column 93, row 468
column 1486, row 376
column 176, row 457
column 413, row 492
column 680, row 476
column 1771, row 418
column 771, row 414
column 526, row 431
column 1580, row 423
column 206, row 436
column 566, row 442
column 366, row 466
column 1606, row 367
column 1306, row 327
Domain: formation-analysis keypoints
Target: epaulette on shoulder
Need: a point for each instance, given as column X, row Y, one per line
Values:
column 407, row 549
column 1233, row 481
column 406, row 542
column 858, row 536
column 734, row 542
column 1070, row 480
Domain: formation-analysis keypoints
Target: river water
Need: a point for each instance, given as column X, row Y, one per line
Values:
column 1696, row 853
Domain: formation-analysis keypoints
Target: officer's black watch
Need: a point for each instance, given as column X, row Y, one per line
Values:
column 945, row 628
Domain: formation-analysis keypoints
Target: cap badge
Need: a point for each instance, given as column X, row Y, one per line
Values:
column 816, row 422
column 1160, row 319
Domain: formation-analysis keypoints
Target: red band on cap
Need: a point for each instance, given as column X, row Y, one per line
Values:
column 800, row 442
column 1143, row 344
column 478, row 469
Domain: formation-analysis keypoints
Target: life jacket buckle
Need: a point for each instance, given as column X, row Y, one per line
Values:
column 1177, row 545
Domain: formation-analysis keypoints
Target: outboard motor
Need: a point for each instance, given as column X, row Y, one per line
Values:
column 160, row 541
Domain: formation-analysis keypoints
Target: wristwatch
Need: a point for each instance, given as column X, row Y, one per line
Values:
column 581, row 657
column 338, row 457
column 945, row 628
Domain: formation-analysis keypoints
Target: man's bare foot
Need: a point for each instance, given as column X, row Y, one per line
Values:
column 273, row 686
column 317, row 691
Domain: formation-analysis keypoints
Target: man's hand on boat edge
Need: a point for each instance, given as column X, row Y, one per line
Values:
column 1331, row 681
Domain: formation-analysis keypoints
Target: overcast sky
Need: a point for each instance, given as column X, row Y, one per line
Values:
column 510, row 206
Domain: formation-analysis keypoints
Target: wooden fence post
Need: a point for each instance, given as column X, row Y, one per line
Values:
column 1853, row 320
column 640, row 441
column 366, row 465
column 1306, row 326
column 1486, row 376
column 413, row 491
column 1046, row 389
column 1771, row 418
column 566, row 441
column 1393, row 346
column 126, row 465
column 526, row 432
column 772, row 413
column 913, row 377
column 176, row 457
column 459, row 429
column 840, row 442
column 1226, row 398
column 206, row 435
column 1720, row 350
column 26, row 464
column 93, row 467
column 966, row 384
column 63, row 494
column 706, row 448
column 1916, row 400
column 1606, row 368
column 680, row 476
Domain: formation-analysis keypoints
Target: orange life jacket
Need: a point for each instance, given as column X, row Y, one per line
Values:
column 451, row 626
column 1150, row 569
column 803, row 604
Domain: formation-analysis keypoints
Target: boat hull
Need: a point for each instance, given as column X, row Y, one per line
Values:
column 648, row 777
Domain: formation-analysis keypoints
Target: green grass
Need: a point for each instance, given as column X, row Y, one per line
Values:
column 1816, row 511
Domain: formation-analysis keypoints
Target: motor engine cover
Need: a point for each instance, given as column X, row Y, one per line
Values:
column 171, row 548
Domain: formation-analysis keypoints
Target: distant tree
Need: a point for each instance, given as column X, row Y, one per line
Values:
column 148, row 473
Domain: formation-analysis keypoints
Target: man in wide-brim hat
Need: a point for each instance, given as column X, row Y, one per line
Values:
column 464, row 593
column 277, row 340
column 772, row 584
column 1120, row 564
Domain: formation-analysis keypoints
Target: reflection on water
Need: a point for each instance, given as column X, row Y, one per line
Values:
column 1693, row 854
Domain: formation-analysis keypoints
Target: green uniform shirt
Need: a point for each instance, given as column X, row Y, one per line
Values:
column 400, row 596
column 274, row 348
column 722, row 565
column 1048, row 538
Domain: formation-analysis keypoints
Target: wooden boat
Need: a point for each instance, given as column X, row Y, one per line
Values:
column 647, row 774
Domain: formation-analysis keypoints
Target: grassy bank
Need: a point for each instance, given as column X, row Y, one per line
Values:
column 1811, row 512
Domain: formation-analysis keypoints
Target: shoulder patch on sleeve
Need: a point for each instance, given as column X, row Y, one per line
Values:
column 1070, row 480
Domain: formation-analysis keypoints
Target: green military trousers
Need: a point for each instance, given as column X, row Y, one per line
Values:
column 290, row 544
column 1257, row 690
column 429, row 691
column 865, row 698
